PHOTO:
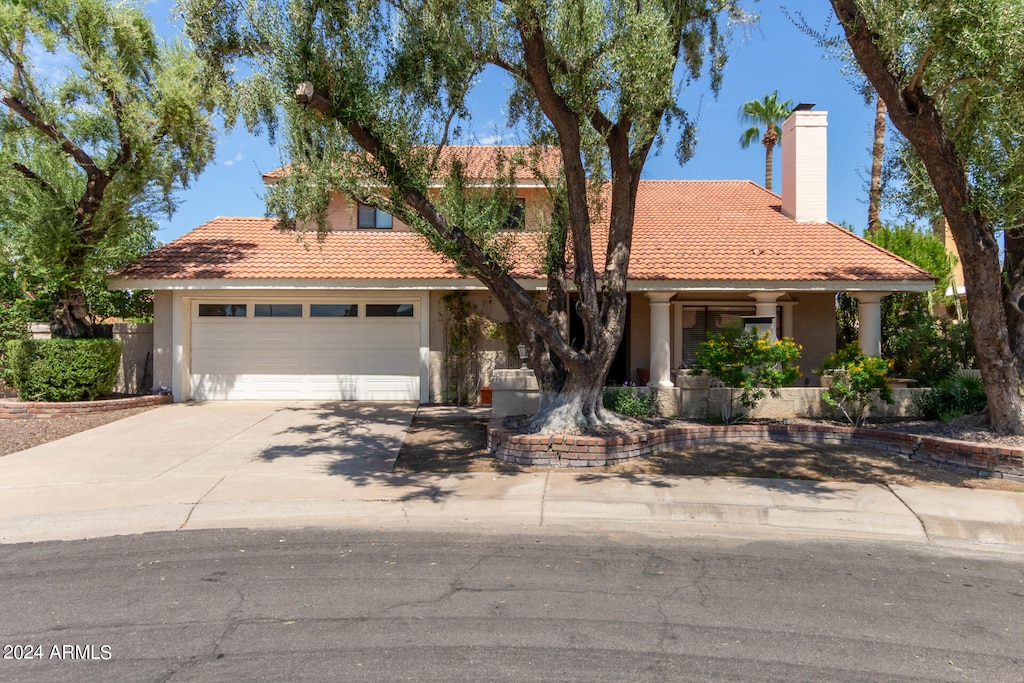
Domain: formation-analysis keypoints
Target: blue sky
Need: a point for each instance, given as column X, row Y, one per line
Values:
column 771, row 55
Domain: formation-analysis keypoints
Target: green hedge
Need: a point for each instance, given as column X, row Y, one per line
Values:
column 63, row 369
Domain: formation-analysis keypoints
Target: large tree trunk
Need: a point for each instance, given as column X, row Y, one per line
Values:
column 916, row 115
column 578, row 405
column 1013, row 278
column 70, row 318
column 877, row 157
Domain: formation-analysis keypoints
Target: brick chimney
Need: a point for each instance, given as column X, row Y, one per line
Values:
column 804, row 165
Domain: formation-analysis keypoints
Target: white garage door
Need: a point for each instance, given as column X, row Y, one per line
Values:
column 252, row 349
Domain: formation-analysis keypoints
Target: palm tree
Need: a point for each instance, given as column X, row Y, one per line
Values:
column 877, row 156
column 766, row 113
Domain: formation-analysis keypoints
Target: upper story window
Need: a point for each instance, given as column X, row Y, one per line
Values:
column 372, row 218
column 516, row 218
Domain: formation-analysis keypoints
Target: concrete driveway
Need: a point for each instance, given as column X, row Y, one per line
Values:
column 276, row 464
column 163, row 462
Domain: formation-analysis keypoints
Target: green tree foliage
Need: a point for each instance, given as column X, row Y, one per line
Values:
column 766, row 114
column 371, row 93
column 950, row 74
column 100, row 124
column 917, row 345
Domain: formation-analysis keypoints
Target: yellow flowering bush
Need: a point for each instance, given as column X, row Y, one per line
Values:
column 855, row 378
column 751, row 364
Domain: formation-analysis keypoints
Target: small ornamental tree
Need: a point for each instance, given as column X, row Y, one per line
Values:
column 855, row 377
column 101, row 123
column 753, row 364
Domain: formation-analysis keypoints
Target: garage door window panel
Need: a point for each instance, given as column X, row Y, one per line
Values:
column 389, row 311
column 223, row 310
column 278, row 310
column 333, row 310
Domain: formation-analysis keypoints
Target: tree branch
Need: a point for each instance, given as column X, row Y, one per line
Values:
column 508, row 291
column 915, row 80
column 306, row 94
column 51, row 131
column 566, row 124
column 33, row 176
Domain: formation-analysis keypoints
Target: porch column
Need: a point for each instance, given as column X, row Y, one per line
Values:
column 765, row 306
column 869, row 317
column 661, row 339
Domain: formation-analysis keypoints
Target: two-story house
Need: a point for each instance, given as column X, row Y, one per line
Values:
column 244, row 310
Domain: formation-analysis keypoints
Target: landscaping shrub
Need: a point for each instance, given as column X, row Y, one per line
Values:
column 958, row 394
column 63, row 369
column 928, row 349
column 13, row 325
column 630, row 400
column 756, row 365
column 855, row 378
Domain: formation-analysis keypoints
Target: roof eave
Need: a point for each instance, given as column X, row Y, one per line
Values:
column 219, row 284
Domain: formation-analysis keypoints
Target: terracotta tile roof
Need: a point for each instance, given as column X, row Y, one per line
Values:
column 255, row 248
column 685, row 230
column 481, row 162
column 735, row 230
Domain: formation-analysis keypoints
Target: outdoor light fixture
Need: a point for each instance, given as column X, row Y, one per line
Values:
column 522, row 355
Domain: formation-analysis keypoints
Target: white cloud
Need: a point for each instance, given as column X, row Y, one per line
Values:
column 232, row 162
column 490, row 140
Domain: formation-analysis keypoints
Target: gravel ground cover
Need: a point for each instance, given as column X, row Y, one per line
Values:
column 17, row 435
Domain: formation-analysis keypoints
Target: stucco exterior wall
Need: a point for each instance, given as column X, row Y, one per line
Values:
column 163, row 345
column 341, row 214
column 341, row 211
column 814, row 327
column 491, row 352
column 640, row 333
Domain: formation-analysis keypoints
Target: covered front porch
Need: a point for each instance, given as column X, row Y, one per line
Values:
column 668, row 325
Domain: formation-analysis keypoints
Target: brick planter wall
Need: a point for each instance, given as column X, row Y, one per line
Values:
column 566, row 450
column 13, row 410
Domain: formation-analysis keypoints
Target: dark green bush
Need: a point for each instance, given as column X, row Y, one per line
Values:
column 959, row 394
column 13, row 325
column 929, row 350
column 630, row 400
column 63, row 369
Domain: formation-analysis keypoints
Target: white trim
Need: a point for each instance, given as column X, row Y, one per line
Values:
column 425, row 347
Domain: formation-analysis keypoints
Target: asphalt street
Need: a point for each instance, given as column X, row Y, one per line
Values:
column 420, row 605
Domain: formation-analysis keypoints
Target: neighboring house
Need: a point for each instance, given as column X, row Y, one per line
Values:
column 958, row 287
column 246, row 310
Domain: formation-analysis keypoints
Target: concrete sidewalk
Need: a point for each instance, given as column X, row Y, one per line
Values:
column 259, row 464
